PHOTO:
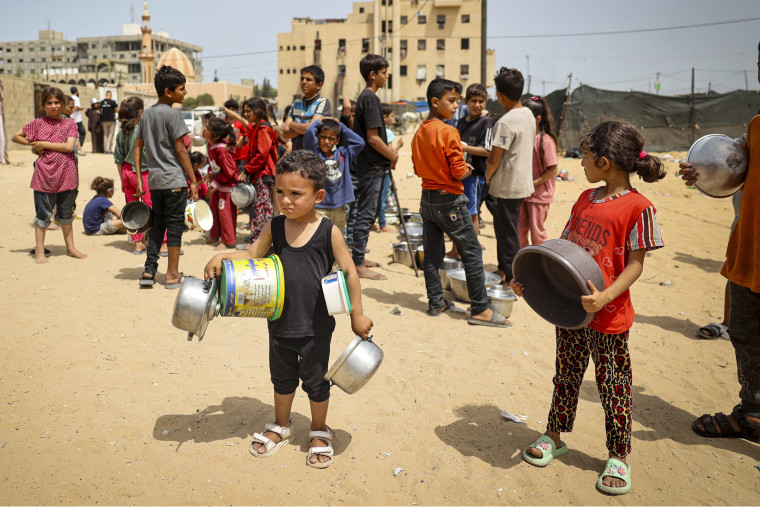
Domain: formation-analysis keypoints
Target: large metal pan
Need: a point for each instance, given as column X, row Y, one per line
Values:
column 136, row 216
column 720, row 163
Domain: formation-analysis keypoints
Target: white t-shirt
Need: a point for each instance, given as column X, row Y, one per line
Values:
column 76, row 115
column 515, row 133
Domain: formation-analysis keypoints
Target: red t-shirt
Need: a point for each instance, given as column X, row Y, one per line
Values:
column 609, row 230
column 54, row 171
column 240, row 152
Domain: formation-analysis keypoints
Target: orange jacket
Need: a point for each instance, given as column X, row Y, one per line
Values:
column 438, row 158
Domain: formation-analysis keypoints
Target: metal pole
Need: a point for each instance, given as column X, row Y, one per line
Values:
column 483, row 42
column 692, row 114
column 403, row 226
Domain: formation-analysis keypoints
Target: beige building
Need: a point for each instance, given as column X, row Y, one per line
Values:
column 421, row 40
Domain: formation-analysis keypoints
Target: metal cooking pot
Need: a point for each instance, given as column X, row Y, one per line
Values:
column 413, row 229
column 448, row 264
column 401, row 253
column 720, row 163
column 356, row 365
column 458, row 281
column 243, row 195
column 554, row 276
column 197, row 303
column 414, row 218
column 136, row 216
column 501, row 300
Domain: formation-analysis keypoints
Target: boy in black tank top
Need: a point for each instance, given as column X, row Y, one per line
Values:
column 299, row 341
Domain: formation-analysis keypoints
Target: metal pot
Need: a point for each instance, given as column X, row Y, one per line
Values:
column 197, row 303
column 501, row 300
column 401, row 253
column 448, row 264
column 554, row 276
column 356, row 365
column 414, row 230
column 136, row 216
column 458, row 281
column 243, row 195
column 720, row 163
column 414, row 218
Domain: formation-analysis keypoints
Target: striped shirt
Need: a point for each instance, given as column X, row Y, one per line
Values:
column 609, row 229
column 304, row 110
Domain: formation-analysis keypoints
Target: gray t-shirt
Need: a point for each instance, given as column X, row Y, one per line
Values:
column 160, row 125
column 515, row 133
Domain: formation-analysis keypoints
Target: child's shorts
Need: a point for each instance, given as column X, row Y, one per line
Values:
column 45, row 203
column 307, row 359
column 473, row 187
column 107, row 227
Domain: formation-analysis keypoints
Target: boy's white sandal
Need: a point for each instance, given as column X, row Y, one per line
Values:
column 321, row 451
column 286, row 435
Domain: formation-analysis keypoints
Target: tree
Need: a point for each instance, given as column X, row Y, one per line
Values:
column 191, row 102
column 265, row 90
column 205, row 99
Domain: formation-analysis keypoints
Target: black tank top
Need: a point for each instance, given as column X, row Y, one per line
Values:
column 304, row 311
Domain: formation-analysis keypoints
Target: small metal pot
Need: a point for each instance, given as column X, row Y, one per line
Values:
column 243, row 195
column 413, row 218
column 414, row 230
column 356, row 365
column 502, row 301
column 448, row 264
column 197, row 303
column 136, row 216
column 458, row 281
column 401, row 253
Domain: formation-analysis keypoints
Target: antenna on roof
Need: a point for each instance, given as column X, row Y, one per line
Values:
column 132, row 12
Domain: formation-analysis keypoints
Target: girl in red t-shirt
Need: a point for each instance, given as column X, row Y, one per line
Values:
column 616, row 225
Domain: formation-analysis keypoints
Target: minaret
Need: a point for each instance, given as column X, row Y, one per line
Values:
column 146, row 55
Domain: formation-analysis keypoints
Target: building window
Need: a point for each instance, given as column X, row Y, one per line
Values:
column 390, row 82
column 341, row 70
column 365, row 45
column 464, row 72
column 421, row 19
column 361, row 10
column 280, row 48
column 441, row 19
column 465, row 18
column 20, row 50
column 439, row 71
column 93, row 46
column 341, row 44
column 288, row 71
column 465, row 43
column 422, row 44
column 294, row 71
column 402, row 44
column 402, row 70
column 404, row 20
column 281, row 71
column 421, row 74
column 303, row 48
column 288, row 48
column 440, row 44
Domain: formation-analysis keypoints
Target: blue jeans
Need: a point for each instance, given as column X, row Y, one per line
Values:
column 384, row 198
column 45, row 204
column 351, row 213
column 367, row 200
column 448, row 214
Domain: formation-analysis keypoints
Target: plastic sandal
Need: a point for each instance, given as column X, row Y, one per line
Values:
column 548, row 449
column 286, row 435
column 619, row 470
column 321, row 451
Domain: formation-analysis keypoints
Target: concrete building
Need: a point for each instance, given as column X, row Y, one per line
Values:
column 421, row 40
column 104, row 60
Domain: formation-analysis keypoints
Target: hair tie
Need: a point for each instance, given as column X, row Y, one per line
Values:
column 642, row 155
column 535, row 99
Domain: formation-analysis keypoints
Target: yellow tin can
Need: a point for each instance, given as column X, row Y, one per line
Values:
column 252, row 288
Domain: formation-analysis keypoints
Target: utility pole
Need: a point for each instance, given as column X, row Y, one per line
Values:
column 746, row 83
column 483, row 42
column 692, row 113
column 565, row 105
column 543, row 85
column 657, row 84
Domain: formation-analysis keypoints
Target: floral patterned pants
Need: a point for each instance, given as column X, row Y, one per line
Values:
column 262, row 210
column 613, row 380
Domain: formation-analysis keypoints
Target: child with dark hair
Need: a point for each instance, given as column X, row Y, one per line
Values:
column 626, row 230
column 372, row 162
column 55, row 179
column 307, row 109
column 299, row 341
column 162, row 133
column 219, row 133
column 509, row 169
column 535, row 208
column 395, row 143
column 475, row 130
column 100, row 216
column 438, row 159
column 338, row 147
column 199, row 162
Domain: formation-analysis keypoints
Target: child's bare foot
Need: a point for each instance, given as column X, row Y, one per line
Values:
column 222, row 246
column 73, row 252
column 40, row 258
column 387, row 228
column 364, row 272
column 453, row 254
column 211, row 241
column 140, row 247
column 374, row 228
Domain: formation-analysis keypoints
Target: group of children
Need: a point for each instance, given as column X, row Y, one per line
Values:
column 312, row 186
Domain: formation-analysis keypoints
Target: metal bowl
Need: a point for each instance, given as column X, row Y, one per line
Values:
column 401, row 253
column 553, row 275
column 458, row 281
column 448, row 264
column 502, row 301
column 356, row 365
column 413, row 229
column 720, row 163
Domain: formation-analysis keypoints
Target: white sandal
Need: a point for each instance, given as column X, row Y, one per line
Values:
column 286, row 435
column 321, row 451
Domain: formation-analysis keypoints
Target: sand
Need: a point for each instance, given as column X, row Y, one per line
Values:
column 104, row 402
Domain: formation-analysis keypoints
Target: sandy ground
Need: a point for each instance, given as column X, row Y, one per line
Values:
column 104, row 402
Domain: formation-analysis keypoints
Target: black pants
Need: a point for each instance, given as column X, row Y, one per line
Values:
column 82, row 133
column 291, row 359
column 168, row 217
column 745, row 337
column 506, row 220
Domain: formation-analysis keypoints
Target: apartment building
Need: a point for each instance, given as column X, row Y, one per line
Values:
column 421, row 40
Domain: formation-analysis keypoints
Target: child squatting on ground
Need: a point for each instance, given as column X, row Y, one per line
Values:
column 438, row 159
column 617, row 226
column 299, row 341
column 100, row 216
column 55, row 179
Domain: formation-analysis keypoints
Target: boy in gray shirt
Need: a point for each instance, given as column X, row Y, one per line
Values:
column 162, row 133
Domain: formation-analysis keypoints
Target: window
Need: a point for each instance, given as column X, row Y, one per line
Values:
column 421, row 19
column 402, row 70
column 365, row 45
column 390, row 82
column 281, row 71
column 303, row 48
column 32, row 49
column 288, row 71
column 342, row 44
column 20, row 50
column 341, row 70
column 361, row 10
column 404, row 20
column 440, row 44
column 280, row 50
column 93, row 46
column 421, row 73
column 441, row 19
column 464, row 72
column 465, row 43
column 403, row 44
column 288, row 48
column 422, row 44
column 465, row 18
column 439, row 71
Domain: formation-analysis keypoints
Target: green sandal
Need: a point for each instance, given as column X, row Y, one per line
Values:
column 548, row 449
column 619, row 470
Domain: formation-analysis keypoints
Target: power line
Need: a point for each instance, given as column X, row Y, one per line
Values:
column 618, row 32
